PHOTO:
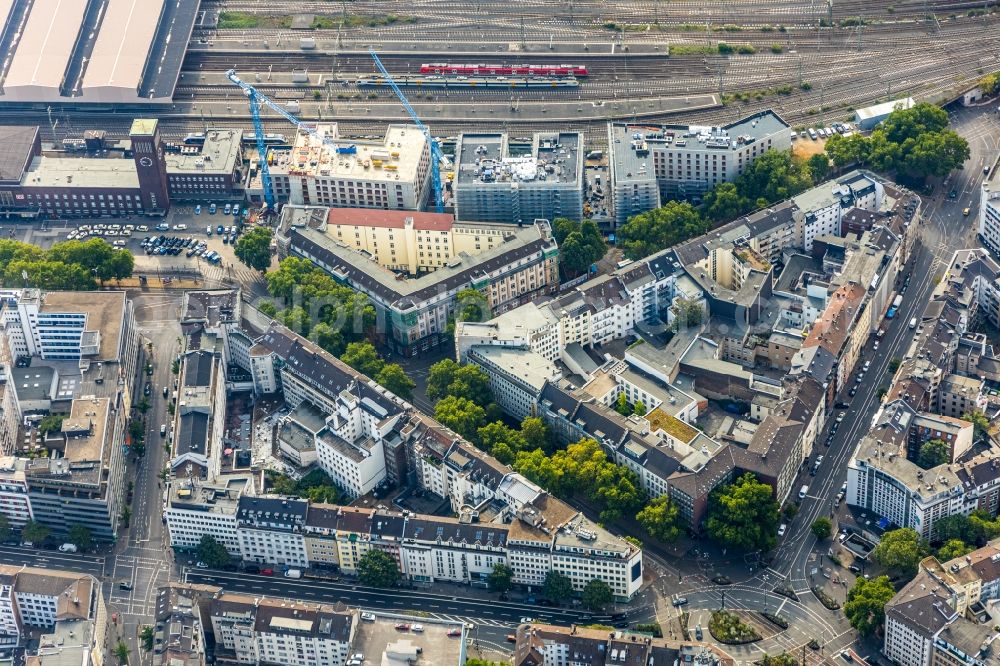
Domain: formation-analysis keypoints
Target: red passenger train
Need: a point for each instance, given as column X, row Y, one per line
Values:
column 514, row 70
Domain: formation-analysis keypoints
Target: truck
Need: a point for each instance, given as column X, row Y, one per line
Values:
column 293, row 573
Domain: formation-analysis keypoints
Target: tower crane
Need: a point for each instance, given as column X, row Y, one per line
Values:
column 256, row 99
column 436, row 155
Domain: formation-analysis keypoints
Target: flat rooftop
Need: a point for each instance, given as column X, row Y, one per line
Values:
column 630, row 142
column 384, row 645
column 104, row 310
column 80, row 172
column 883, row 109
column 486, row 159
column 219, row 154
column 400, row 154
column 524, row 364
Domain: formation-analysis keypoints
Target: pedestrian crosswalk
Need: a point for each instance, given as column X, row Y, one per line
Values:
column 463, row 619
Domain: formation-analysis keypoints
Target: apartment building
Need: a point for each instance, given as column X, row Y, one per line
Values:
column 551, row 645
column 493, row 185
column 649, row 164
column 194, row 509
column 251, row 630
column 935, row 620
column 324, row 169
column 416, row 311
column 989, row 209
column 14, row 501
column 179, row 632
column 270, row 530
column 925, row 395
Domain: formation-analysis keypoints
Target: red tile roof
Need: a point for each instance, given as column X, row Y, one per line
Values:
column 395, row 219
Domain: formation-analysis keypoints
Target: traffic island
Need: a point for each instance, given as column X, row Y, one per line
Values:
column 730, row 629
column 825, row 599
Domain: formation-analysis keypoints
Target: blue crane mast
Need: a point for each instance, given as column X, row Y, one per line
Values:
column 256, row 99
column 436, row 155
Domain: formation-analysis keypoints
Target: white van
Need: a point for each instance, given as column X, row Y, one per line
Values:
column 913, row 323
column 803, row 492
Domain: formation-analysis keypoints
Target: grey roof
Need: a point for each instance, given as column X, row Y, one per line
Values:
column 192, row 434
column 16, row 148
column 275, row 506
column 198, row 368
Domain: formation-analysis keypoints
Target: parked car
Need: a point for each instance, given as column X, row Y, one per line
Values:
column 402, row 626
column 782, row 529
column 67, row 548
column 267, row 572
column 125, row 586
column 526, row 620
column 368, row 617
column 197, row 209
column 200, row 565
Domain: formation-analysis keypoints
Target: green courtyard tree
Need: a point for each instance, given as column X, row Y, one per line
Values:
column 932, row 453
column 557, row 587
column 821, row 527
column 213, row 553
column 661, row 228
column 378, row 569
column 724, row 202
column 502, row 441
column 81, row 537
column 472, row 305
column 953, row 548
column 865, row 607
column 254, row 248
column 661, row 519
column 900, row 550
column 596, row 595
column 819, row 166
column 743, row 514
column 535, row 433
column 580, row 245
column 980, row 423
column 447, row 377
column 501, row 579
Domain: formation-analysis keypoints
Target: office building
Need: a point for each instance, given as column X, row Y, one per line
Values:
column 494, row 185
column 326, row 170
column 211, row 171
column 989, row 209
column 651, row 164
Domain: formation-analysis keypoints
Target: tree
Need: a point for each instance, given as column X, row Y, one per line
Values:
column 362, row 357
column 783, row 659
column 724, row 202
column 932, row 453
column 81, row 537
column 774, row 176
column 213, row 553
column 661, row 519
column 394, row 378
column 843, row 151
column 143, row 405
column 580, row 245
column 502, row 441
column 146, row 638
column 254, row 248
column 122, row 652
column 953, row 548
column 5, row 529
column 661, row 228
column 866, row 601
column 980, row 423
column 447, row 377
column 378, row 569
column 743, row 514
column 597, row 594
column 461, row 415
column 957, row 527
column 688, row 313
column 501, row 579
column 988, row 84
column 557, row 587
column 125, row 515
column 639, row 408
column 922, row 118
column 51, row 423
column 819, row 166
column 622, row 406
column 34, row 532
column 472, row 305
column 535, row 433
column 900, row 550
column 821, row 527
column 96, row 256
